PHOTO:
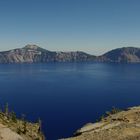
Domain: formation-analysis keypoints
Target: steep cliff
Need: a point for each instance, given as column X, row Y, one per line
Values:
column 35, row 54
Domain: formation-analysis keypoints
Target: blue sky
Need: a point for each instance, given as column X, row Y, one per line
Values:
column 93, row 26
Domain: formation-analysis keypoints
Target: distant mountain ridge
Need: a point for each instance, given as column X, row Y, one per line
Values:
column 36, row 54
column 125, row 54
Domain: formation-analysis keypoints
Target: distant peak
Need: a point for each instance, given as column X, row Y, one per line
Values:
column 33, row 47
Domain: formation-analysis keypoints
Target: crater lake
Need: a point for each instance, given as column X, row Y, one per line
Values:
column 65, row 96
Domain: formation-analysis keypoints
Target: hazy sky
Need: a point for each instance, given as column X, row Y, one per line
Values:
column 94, row 26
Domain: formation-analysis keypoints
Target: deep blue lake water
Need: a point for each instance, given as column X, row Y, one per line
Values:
column 68, row 95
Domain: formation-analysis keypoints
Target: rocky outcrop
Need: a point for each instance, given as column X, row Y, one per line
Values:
column 9, row 133
column 35, row 54
column 13, row 128
column 123, row 125
column 126, row 54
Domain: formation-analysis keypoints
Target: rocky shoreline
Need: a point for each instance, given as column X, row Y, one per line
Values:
column 117, row 125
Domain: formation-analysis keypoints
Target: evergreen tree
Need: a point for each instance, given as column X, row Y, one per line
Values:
column 6, row 110
column 40, row 125
column 13, row 116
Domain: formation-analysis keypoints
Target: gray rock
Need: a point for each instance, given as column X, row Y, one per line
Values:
column 35, row 54
column 125, row 54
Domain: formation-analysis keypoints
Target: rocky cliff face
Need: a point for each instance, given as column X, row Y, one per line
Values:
column 124, row 125
column 35, row 54
column 126, row 54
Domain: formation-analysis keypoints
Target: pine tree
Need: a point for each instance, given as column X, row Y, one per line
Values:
column 6, row 111
column 40, row 125
column 13, row 116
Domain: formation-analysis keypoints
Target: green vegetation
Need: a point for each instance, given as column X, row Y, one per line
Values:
column 21, row 125
column 13, row 116
column 6, row 110
column 114, row 110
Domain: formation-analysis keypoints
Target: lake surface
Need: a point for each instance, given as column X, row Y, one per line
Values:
column 68, row 95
